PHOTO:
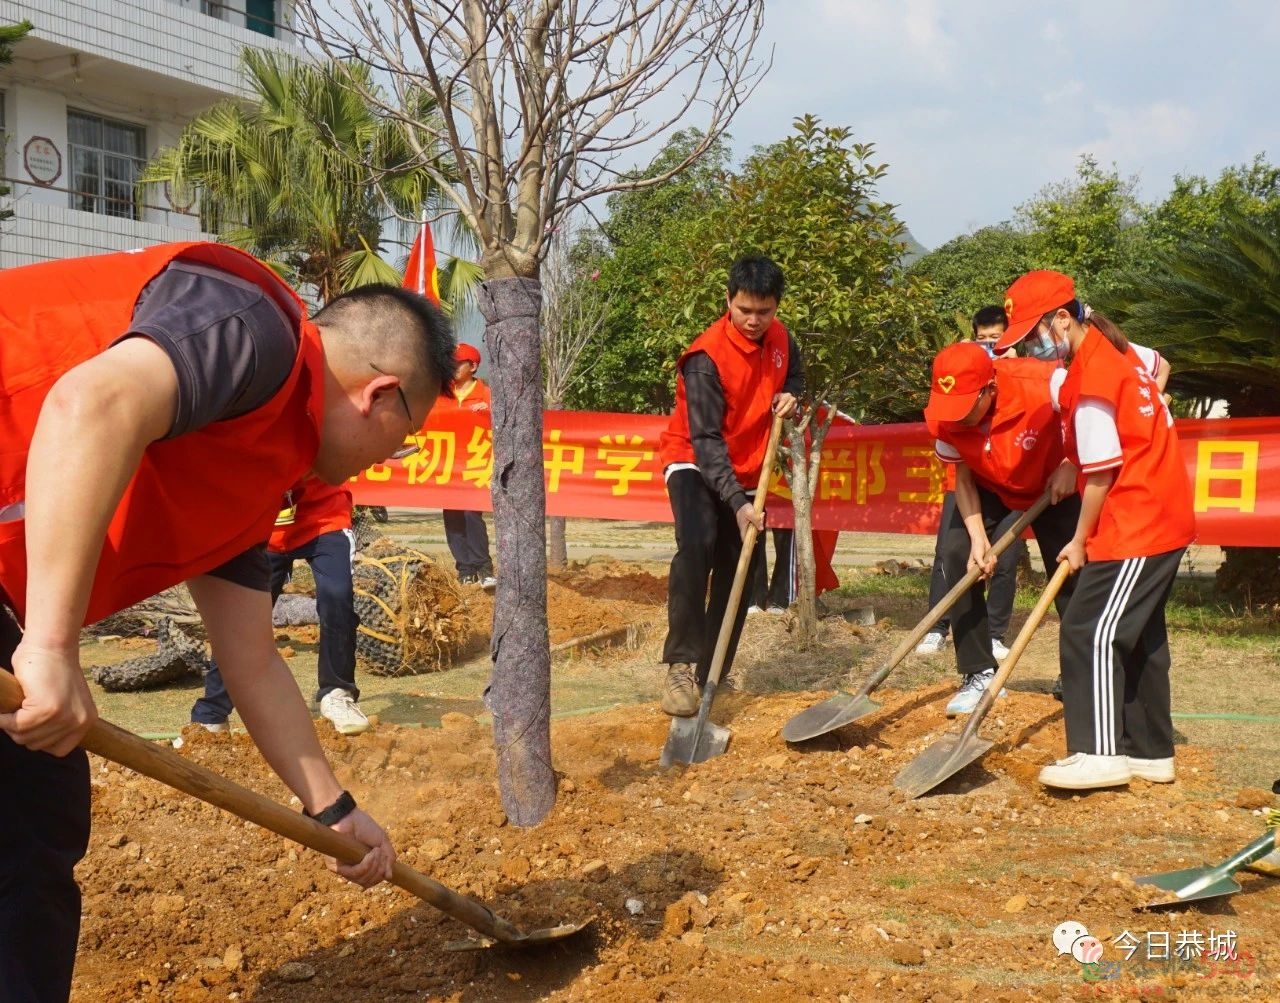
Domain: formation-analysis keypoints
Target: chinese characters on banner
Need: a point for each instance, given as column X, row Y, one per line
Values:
column 873, row 478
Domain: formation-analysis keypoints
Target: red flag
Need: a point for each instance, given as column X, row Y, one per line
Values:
column 420, row 273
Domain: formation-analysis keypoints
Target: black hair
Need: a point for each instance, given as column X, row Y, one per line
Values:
column 756, row 275
column 386, row 308
column 988, row 315
column 1109, row 328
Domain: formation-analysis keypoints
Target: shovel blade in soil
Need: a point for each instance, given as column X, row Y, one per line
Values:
column 530, row 939
column 686, row 743
column 941, row 761
column 834, row 712
column 1176, row 884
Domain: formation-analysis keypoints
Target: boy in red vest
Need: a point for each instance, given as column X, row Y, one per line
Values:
column 313, row 526
column 155, row 406
column 730, row 382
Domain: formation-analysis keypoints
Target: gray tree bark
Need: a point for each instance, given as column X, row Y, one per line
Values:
column 519, row 690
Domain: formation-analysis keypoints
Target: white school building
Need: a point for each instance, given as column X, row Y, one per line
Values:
column 92, row 93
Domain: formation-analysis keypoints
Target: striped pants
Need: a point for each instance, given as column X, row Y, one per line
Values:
column 1115, row 658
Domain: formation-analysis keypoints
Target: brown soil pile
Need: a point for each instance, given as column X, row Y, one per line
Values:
column 770, row 872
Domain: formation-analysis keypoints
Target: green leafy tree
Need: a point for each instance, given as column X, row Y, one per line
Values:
column 649, row 234
column 973, row 271
column 306, row 175
column 1087, row 227
column 1212, row 305
column 10, row 34
column 1196, row 207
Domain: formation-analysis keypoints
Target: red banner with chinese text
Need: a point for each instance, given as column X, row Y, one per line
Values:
column 874, row 478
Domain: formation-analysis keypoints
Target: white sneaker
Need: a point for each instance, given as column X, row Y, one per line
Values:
column 777, row 610
column 1083, row 771
column 932, row 643
column 218, row 727
column 970, row 692
column 488, row 583
column 998, row 649
column 1155, row 771
column 344, row 712
column 753, row 610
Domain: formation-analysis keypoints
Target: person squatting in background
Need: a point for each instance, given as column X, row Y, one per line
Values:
column 1136, row 521
column 739, row 373
column 987, row 324
column 313, row 526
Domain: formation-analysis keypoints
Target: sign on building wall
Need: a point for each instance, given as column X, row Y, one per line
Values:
column 42, row 160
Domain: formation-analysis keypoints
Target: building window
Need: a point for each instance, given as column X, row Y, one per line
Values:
column 260, row 16
column 106, row 158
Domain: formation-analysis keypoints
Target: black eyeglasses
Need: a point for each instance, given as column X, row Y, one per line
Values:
column 403, row 451
column 403, row 400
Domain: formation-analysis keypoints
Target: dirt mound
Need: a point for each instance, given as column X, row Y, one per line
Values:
column 771, row 872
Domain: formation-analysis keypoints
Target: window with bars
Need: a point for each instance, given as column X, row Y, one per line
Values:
column 106, row 157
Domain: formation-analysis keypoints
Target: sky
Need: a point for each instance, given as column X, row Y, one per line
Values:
column 976, row 105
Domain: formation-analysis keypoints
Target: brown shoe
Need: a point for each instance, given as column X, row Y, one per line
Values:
column 680, row 694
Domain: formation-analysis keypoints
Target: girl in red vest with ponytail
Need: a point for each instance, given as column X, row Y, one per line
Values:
column 1136, row 521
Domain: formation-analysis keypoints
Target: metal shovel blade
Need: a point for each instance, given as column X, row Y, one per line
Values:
column 943, row 759
column 530, row 939
column 1209, row 882
column 834, row 712
column 1175, row 882
column 687, row 743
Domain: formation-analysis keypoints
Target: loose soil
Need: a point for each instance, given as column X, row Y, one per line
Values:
column 771, row 872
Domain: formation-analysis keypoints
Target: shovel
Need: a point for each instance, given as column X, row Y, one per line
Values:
column 1209, row 882
column 110, row 742
column 952, row 753
column 837, row 711
column 695, row 739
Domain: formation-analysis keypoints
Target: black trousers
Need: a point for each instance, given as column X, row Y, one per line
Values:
column 44, row 832
column 780, row 589
column 329, row 555
column 1115, row 658
column 1002, row 586
column 707, row 549
column 970, row 624
column 468, row 540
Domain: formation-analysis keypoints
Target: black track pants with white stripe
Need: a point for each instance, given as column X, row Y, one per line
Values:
column 1115, row 658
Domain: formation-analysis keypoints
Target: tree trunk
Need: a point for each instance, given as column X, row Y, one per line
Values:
column 559, row 545
column 802, row 506
column 519, row 693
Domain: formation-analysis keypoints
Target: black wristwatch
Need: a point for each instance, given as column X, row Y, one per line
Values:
column 336, row 812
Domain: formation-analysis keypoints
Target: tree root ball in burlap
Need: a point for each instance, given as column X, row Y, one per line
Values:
column 413, row 617
column 177, row 656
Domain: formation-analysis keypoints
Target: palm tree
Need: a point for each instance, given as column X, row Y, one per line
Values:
column 1212, row 305
column 304, row 177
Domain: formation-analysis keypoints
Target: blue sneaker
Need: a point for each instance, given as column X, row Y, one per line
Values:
column 970, row 692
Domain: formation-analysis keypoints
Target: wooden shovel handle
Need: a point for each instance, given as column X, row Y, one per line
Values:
column 1019, row 646
column 161, row 763
column 744, row 558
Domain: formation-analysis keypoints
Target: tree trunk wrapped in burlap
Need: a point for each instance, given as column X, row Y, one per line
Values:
column 413, row 617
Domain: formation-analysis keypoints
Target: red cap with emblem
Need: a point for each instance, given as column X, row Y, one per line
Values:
column 1030, row 298
column 960, row 371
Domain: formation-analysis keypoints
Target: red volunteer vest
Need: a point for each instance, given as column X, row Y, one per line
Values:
column 478, row 398
column 1149, row 509
column 195, row 501
column 317, row 508
column 1022, row 445
column 751, row 373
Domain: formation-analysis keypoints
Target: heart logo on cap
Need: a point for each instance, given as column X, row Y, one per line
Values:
column 1008, row 306
column 946, row 384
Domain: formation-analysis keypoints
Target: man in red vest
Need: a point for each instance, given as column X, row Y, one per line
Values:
column 154, row 407
column 730, row 382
